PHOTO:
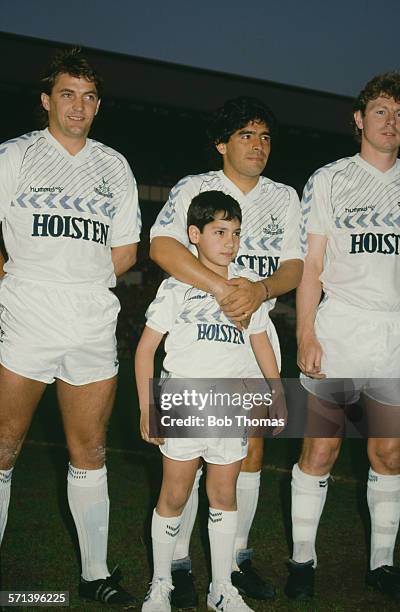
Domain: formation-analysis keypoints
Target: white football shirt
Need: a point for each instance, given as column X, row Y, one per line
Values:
column 271, row 226
column 202, row 342
column 62, row 213
column 357, row 208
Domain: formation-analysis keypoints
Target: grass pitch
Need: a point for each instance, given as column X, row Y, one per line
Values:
column 40, row 547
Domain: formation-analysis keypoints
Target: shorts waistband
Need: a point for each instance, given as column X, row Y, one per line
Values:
column 10, row 279
column 343, row 307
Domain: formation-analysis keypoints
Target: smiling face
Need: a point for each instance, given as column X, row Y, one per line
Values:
column 218, row 243
column 71, row 106
column 245, row 154
column 380, row 126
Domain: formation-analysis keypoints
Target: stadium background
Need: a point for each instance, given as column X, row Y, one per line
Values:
column 155, row 114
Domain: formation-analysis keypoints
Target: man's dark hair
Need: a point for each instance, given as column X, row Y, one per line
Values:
column 205, row 206
column 386, row 85
column 236, row 114
column 74, row 63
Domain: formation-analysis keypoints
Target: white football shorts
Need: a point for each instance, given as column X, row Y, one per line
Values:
column 58, row 331
column 361, row 351
column 221, row 451
column 218, row 450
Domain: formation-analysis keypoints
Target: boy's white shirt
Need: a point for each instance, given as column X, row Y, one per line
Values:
column 202, row 342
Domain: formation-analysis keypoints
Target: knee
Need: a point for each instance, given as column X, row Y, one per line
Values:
column 174, row 500
column 255, row 454
column 319, row 455
column 385, row 458
column 223, row 499
column 90, row 455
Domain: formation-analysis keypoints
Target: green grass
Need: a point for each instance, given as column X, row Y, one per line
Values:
column 40, row 549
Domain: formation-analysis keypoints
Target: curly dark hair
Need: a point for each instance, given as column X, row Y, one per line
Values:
column 71, row 61
column 386, row 85
column 236, row 114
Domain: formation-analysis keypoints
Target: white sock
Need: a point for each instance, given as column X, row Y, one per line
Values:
column 188, row 518
column 89, row 505
column 308, row 499
column 5, row 490
column 222, row 527
column 247, row 492
column 383, row 495
column 164, row 533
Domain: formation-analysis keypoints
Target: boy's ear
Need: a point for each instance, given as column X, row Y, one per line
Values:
column 194, row 234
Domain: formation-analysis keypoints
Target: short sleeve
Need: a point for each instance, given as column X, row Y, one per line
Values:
column 10, row 162
column 291, row 247
column 172, row 219
column 316, row 204
column 165, row 307
column 259, row 320
column 127, row 221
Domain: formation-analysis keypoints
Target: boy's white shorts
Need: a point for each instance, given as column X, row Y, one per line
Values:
column 221, row 451
column 58, row 331
column 361, row 348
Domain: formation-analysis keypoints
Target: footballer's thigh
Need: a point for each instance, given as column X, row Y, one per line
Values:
column 254, row 460
column 19, row 397
column 85, row 411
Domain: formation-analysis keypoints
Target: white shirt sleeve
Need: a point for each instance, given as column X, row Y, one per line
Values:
column 162, row 312
column 316, row 204
column 291, row 244
column 259, row 320
column 127, row 221
column 10, row 162
column 172, row 219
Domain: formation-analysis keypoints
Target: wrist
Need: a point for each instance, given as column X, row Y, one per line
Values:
column 304, row 335
column 217, row 289
column 267, row 293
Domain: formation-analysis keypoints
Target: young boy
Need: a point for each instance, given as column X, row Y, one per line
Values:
column 214, row 220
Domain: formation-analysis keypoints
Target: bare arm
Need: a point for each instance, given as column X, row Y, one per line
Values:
column 123, row 258
column 2, row 262
column 177, row 260
column 266, row 359
column 144, row 371
column 307, row 299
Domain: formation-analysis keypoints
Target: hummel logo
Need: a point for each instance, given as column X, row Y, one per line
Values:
column 46, row 189
column 215, row 517
column 172, row 531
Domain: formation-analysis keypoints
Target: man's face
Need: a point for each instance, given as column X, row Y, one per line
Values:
column 218, row 243
column 71, row 106
column 380, row 125
column 246, row 153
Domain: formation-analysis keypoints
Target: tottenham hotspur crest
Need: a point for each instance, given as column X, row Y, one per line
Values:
column 104, row 189
column 273, row 228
